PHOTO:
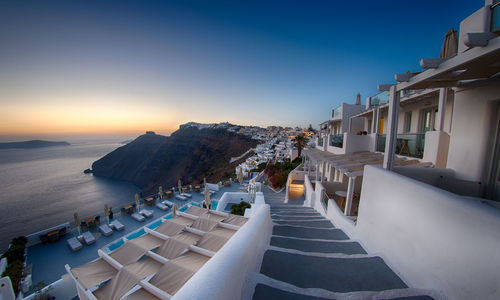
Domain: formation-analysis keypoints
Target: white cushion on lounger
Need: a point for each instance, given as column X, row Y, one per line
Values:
column 117, row 225
column 180, row 197
column 104, row 228
column 88, row 238
column 187, row 195
column 147, row 213
column 161, row 206
column 138, row 217
column 168, row 203
column 74, row 244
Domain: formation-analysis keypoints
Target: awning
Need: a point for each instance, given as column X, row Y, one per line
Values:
column 473, row 64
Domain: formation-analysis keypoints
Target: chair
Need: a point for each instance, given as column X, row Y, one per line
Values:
column 147, row 213
column 161, row 206
column 117, row 225
column 88, row 238
column 83, row 225
column 105, row 230
column 138, row 217
column 97, row 220
column 74, row 244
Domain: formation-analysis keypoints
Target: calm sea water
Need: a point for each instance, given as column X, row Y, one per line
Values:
column 41, row 188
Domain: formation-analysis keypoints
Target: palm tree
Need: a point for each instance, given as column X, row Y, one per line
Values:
column 300, row 142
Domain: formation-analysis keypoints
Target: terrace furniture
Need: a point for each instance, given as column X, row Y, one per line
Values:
column 88, row 238
column 227, row 183
column 161, row 206
column 128, row 209
column 149, row 201
column 169, row 194
column 138, row 217
column 187, row 195
column 97, row 220
column 90, row 222
column 74, row 244
column 180, row 197
column 147, row 213
column 62, row 232
column 105, row 230
column 53, row 236
column 168, row 203
column 83, row 225
column 117, row 225
column 197, row 188
column 342, row 195
column 184, row 189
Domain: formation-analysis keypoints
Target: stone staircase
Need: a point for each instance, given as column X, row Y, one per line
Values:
column 308, row 258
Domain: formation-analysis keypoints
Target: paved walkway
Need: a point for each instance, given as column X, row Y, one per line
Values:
column 308, row 258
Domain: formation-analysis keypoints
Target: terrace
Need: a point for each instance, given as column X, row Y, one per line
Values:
column 47, row 260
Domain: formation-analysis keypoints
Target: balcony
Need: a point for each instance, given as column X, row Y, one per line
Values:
column 337, row 113
column 379, row 99
column 336, row 140
column 409, row 144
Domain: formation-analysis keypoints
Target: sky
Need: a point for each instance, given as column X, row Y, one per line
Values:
column 124, row 67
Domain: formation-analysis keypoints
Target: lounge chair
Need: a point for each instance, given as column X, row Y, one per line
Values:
column 187, row 195
column 104, row 229
column 117, row 225
column 161, row 206
column 168, row 203
column 138, row 217
column 88, row 238
column 180, row 197
column 74, row 244
column 147, row 213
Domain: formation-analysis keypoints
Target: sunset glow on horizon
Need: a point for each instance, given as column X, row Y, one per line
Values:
column 109, row 67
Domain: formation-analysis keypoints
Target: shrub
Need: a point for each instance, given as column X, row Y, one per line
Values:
column 15, row 271
column 239, row 209
column 15, row 261
column 279, row 179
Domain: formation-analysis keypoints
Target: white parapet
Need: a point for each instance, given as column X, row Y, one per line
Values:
column 223, row 276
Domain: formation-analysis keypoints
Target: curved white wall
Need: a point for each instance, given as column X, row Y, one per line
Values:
column 224, row 275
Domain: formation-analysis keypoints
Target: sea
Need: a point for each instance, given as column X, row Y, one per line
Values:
column 43, row 187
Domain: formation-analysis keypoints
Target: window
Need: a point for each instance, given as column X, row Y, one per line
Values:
column 407, row 127
column 429, row 117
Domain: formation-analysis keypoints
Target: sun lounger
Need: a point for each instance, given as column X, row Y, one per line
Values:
column 117, row 225
column 88, row 238
column 147, row 213
column 180, row 197
column 74, row 244
column 138, row 217
column 187, row 195
column 104, row 229
column 161, row 206
column 168, row 203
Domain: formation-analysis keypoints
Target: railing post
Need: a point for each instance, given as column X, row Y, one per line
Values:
column 443, row 97
column 350, row 193
column 392, row 129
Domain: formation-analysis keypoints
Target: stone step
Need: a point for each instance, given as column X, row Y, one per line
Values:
column 318, row 246
column 307, row 223
column 309, row 233
column 295, row 213
column 296, row 217
column 341, row 275
column 263, row 291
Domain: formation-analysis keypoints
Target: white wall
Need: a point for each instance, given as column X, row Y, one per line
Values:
column 474, row 115
column 436, row 239
column 356, row 143
column 239, row 258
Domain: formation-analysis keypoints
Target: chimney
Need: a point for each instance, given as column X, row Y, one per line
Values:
column 358, row 99
column 368, row 102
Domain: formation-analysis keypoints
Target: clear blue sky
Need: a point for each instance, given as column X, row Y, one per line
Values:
column 129, row 66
